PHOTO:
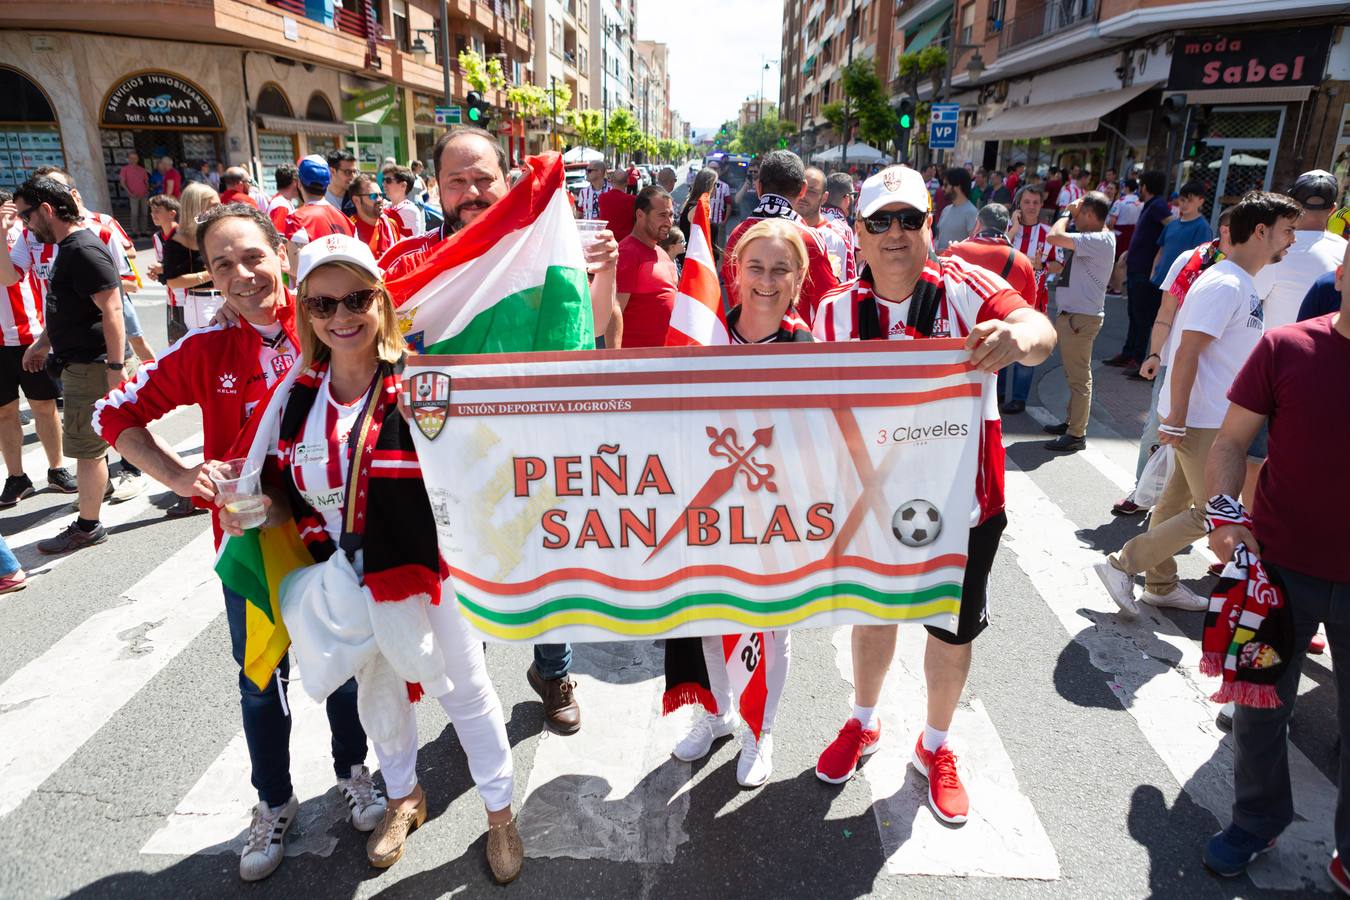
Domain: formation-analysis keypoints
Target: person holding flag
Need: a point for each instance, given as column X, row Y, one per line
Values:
column 227, row 370
column 341, row 477
column 749, row 670
column 904, row 293
column 458, row 290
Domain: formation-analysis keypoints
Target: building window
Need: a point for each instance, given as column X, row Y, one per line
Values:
column 272, row 102
column 554, row 37
column 968, row 23
column 402, row 34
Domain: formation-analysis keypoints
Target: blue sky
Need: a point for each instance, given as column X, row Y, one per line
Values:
column 715, row 53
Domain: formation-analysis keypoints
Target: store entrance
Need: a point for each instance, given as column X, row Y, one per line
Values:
column 186, row 148
column 1238, row 156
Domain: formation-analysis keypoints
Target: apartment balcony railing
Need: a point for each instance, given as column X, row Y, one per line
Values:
column 1042, row 19
column 295, row 7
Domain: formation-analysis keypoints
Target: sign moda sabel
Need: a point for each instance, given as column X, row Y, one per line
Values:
column 589, row 496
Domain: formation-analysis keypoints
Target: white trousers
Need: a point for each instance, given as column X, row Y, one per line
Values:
column 777, row 653
column 473, row 708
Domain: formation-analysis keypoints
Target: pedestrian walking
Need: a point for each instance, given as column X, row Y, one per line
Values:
column 588, row 198
column 135, row 180
column 957, row 219
column 646, row 279
column 184, row 269
column 1315, row 251
column 320, row 215
column 618, row 207
column 342, row 169
column 1217, row 328
column 837, row 235
column 371, row 225
column 1143, row 295
column 171, row 180
column 287, row 197
column 1030, row 237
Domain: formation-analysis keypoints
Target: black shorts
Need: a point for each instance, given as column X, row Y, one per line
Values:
column 980, row 554
column 36, row 385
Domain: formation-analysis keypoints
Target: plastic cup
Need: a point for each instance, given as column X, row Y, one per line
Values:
column 589, row 230
column 239, row 485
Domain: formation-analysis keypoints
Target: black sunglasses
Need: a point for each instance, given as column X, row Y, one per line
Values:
column 909, row 220
column 25, row 213
column 324, row 307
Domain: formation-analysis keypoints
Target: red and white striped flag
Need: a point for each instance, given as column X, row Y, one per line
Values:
column 698, row 319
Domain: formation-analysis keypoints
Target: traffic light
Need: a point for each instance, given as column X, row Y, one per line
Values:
column 904, row 114
column 1198, row 144
column 478, row 109
column 1174, row 111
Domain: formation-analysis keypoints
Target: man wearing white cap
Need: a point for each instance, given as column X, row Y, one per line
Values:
column 227, row 370
column 906, row 292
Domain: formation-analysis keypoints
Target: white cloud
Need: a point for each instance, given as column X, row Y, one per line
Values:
column 716, row 53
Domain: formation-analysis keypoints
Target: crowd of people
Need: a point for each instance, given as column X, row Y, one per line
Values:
column 1257, row 414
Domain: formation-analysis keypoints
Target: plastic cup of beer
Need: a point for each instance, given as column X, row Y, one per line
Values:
column 240, row 487
column 590, row 229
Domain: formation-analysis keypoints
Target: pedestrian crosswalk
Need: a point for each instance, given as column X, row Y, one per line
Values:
column 613, row 794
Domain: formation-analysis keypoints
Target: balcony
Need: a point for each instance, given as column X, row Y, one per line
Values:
column 1043, row 18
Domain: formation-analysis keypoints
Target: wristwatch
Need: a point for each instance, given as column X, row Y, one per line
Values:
column 115, row 366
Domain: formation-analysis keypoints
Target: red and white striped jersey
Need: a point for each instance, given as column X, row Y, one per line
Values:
column 175, row 296
column 407, row 217
column 35, row 258
column 717, row 202
column 114, row 237
column 970, row 295
column 1031, row 240
column 841, row 245
column 588, row 199
column 1069, row 193
column 21, row 317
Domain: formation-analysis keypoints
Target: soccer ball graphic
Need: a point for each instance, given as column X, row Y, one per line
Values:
column 916, row 523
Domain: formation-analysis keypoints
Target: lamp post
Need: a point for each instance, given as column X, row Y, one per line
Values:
column 759, row 114
column 419, row 50
column 553, row 91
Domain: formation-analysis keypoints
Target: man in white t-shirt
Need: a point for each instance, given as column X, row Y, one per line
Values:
column 1216, row 328
column 1315, row 251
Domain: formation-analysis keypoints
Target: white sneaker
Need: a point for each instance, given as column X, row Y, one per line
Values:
column 1119, row 585
column 126, row 486
column 697, row 743
column 756, row 762
column 266, row 842
column 1180, row 597
column 365, row 803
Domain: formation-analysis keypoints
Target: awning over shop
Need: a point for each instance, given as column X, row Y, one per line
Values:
column 287, row 125
column 1070, row 116
column 925, row 33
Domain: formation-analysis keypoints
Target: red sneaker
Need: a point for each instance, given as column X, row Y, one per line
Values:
column 1337, row 873
column 946, row 794
column 839, row 760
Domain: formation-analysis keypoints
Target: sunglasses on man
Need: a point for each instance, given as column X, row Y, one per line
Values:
column 321, row 307
column 908, row 219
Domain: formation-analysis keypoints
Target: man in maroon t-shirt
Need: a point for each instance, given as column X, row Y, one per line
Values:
column 646, row 279
column 1297, row 379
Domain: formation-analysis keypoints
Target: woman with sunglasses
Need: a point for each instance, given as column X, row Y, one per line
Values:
column 771, row 262
column 905, row 292
column 343, row 408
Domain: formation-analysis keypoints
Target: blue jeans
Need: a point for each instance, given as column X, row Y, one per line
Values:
column 267, row 726
column 1149, row 439
column 552, row 660
column 8, row 564
column 1019, row 376
column 132, row 323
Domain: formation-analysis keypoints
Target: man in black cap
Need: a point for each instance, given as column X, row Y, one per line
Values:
column 1315, row 250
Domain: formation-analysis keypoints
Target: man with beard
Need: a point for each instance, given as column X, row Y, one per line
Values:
column 646, row 279
column 86, row 333
column 471, row 172
column 835, row 232
column 245, row 256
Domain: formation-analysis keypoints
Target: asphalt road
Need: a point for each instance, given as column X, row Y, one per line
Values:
column 1089, row 749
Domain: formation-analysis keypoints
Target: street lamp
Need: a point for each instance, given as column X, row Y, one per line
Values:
column 419, row 51
column 759, row 113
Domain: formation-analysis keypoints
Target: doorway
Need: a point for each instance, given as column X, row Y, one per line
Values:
column 1238, row 156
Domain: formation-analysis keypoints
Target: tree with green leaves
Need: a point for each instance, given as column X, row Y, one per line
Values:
column 768, row 133
column 870, row 105
column 624, row 134
column 588, row 125
column 480, row 75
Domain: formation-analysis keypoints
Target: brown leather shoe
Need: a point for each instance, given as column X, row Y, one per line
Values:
column 505, row 851
column 385, row 846
column 560, row 703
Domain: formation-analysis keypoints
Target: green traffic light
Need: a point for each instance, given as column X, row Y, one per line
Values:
column 475, row 114
column 906, row 120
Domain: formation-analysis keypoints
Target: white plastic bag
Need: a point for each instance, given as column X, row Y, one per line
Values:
column 1154, row 477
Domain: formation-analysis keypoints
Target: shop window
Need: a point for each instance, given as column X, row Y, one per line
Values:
column 272, row 102
column 29, row 136
column 319, row 108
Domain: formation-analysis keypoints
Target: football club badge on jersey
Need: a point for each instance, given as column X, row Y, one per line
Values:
column 429, row 397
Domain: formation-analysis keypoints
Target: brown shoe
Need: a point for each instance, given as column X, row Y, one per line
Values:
column 560, row 704
column 385, row 846
column 505, row 851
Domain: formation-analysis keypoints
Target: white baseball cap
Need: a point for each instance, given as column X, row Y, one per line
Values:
column 894, row 184
column 336, row 248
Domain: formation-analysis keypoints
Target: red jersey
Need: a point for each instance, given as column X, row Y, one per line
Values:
column 314, row 220
column 1030, row 240
column 235, row 195
column 278, row 210
column 21, row 317
column 648, row 276
column 408, row 254
column 225, row 369
column 970, row 296
column 619, row 210
column 820, row 278
column 379, row 237
column 997, row 256
column 841, row 244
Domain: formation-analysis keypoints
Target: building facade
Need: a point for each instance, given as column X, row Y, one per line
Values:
column 652, row 97
column 1236, row 96
column 562, row 50
column 255, row 83
column 612, row 54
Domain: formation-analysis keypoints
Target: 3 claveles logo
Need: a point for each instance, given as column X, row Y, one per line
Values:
column 911, row 434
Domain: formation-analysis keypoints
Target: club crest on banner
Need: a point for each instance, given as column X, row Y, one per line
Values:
column 429, row 398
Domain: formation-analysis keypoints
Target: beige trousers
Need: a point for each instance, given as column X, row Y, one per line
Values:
column 1077, row 332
